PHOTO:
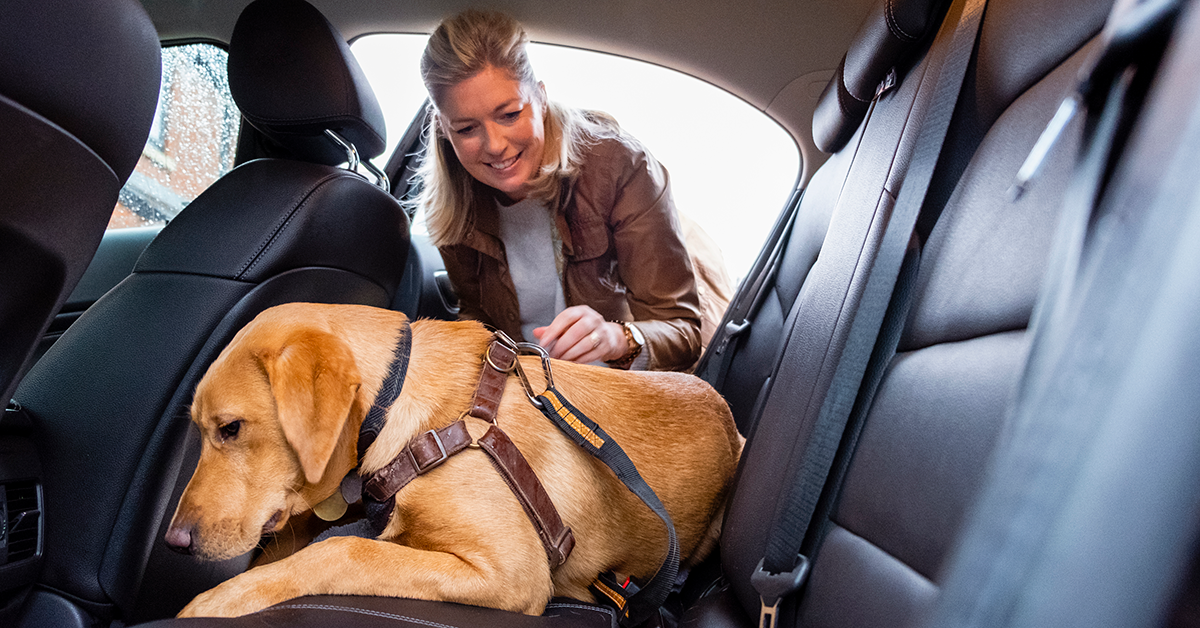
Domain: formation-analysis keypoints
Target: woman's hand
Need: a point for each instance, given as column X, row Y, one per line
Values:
column 580, row 334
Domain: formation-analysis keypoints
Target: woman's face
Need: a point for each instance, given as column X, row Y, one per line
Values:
column 496, row 129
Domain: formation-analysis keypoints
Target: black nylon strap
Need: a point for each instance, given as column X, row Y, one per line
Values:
column 389, row 391
column 795, row 511
column 378, row 512
column 593, row 439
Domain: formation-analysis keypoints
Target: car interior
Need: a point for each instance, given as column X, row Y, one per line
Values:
column 965, row 360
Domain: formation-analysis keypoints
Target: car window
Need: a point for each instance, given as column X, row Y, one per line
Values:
column 732, row 167
column 192, row 141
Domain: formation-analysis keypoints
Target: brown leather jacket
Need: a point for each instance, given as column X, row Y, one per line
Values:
column 623, row 252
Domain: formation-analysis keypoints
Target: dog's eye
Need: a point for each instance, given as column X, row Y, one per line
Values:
column 229, row 430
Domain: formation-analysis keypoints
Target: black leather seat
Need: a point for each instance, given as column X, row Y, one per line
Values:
column 109, row 401
column 891, row 510
column 78, row 86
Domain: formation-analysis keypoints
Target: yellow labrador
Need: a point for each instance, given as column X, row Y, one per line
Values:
column 279, row 413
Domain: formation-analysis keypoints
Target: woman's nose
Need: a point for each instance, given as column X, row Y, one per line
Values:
column 494, row 141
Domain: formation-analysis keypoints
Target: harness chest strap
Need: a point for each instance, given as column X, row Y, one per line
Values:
column 432, row 448
column 423, row 453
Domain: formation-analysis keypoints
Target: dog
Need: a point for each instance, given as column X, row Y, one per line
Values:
column 279, row 413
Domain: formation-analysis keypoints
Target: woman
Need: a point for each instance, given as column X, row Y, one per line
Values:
column 554, row 225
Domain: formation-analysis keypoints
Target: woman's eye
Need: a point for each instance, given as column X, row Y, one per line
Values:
column 466, row 130
column 512, row 116
column 229, row 430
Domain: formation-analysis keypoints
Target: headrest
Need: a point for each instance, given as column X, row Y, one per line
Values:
column 293, row 77
column 892, row 30
column 89, row 66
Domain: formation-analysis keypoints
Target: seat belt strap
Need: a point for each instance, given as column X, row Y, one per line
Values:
column 794, row 512
column 714, row 364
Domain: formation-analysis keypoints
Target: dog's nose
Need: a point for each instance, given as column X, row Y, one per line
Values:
column 179, row 538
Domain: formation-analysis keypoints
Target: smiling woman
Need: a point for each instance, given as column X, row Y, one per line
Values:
column 555, row 225
column 497, row 130
column 731, row 166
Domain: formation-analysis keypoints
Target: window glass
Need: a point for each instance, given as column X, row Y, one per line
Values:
column 732, row 167
column 192, row 140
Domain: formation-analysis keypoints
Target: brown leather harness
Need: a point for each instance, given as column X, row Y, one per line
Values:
column 430, row 449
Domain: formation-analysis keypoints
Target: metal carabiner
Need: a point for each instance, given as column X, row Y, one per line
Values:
column 529, row 348
column 524, row 348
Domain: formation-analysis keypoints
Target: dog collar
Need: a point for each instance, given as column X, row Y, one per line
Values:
column 377, row 512
column 389, row 391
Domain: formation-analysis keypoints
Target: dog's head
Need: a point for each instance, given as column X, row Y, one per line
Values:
column 274, row 413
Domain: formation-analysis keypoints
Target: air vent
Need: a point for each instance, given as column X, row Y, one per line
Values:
column 20, row 534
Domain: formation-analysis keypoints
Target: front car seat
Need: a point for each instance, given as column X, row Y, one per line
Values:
column 78, row 85
column 109, row 402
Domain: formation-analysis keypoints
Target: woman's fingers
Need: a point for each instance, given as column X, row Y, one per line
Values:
column 580, row 334
column 550, row 335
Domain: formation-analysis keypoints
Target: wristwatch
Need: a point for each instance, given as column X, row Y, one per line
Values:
column 635, row 339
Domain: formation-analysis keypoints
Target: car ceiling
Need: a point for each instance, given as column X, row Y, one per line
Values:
column 775, row 54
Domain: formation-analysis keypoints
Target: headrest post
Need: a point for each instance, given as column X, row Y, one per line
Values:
column 351, row 152
column 353, row 162
column 381, row 178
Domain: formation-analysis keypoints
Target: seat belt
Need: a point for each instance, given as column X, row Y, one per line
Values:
column 783, row 569
column 714, row 364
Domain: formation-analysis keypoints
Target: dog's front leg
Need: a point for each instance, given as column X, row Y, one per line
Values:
column 358, row 566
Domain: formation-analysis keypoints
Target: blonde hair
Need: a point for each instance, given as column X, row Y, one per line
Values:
column 461, row 47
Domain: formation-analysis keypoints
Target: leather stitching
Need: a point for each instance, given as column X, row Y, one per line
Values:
column 413, row 620
column 599, row 609
column 894, row 24
column 363, row 611
column 846, row 111
column 281, row 226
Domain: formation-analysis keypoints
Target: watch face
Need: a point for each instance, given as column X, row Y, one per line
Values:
column 637, row 334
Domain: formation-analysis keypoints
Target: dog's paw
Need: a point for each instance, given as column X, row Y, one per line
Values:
column 242, row 595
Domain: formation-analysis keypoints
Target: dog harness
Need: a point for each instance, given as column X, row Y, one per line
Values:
column 430, row 449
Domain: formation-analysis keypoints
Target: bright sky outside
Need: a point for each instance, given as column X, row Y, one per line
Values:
column 732, row 168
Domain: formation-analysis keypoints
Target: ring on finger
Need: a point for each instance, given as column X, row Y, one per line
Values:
column 595, row 339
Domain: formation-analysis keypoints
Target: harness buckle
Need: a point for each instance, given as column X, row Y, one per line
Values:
column 773, row 587
column 424, row 468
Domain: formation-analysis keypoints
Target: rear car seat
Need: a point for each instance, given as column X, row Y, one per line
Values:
column 893, row 505
column 896, row 501
column 1088, row 517
column 109, row 402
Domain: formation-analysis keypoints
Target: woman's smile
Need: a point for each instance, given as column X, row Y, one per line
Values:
column 502, row 165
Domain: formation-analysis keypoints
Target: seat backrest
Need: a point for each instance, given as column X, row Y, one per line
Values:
column 895, row 501
column 109, row 401
column 825, row 239
column 78, row 87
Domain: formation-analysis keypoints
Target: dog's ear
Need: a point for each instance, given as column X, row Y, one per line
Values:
column 314, row 380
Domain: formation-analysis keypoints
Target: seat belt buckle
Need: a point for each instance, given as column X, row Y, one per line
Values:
column 773, row 587
column 732, row 330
